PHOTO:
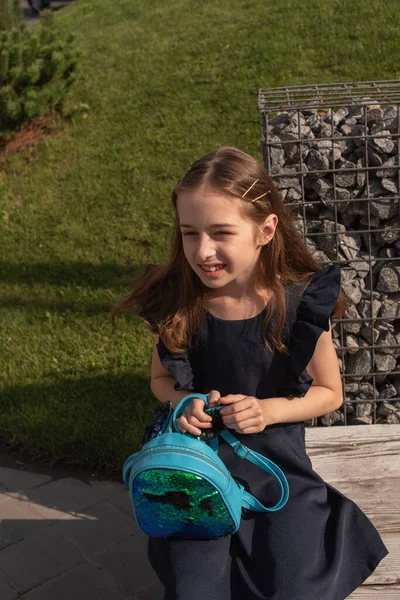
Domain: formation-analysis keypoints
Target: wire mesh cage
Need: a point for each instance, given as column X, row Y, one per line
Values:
column 333, row 151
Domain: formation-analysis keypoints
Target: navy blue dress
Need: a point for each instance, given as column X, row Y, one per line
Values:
column 320, row 546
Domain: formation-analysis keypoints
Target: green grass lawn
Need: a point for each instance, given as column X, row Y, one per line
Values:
column 166, row 82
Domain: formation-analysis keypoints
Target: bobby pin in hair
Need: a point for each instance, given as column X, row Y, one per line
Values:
column 258, row 197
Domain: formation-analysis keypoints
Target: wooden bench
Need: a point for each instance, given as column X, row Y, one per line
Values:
column 363, row 462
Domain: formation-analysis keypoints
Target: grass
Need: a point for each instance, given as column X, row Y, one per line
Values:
column 165, row 83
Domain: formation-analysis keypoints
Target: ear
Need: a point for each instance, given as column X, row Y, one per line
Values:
column 267, row 230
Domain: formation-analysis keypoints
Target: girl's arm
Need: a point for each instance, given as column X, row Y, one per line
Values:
column 162, row 383
column 325, row 394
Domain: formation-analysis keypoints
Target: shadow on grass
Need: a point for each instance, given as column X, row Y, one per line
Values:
column 91, row 423
column 85, row 274
column 55, row 306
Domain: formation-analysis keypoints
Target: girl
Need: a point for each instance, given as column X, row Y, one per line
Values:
column 241, row 312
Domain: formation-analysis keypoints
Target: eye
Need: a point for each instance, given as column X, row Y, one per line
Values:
column 217, row 233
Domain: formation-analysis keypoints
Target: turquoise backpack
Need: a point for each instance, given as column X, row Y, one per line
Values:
column 180, row 488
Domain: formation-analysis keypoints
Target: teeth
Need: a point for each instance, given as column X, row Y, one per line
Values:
column 212, row 268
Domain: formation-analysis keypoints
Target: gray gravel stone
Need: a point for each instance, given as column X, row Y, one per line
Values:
column 390, row 308
column 365, row 308
column 384, row 362
column 390, row 185
column 383, row 140
column 353, row 290
column 388, row 391
column 387, row 339
column 354, row 324
column 374, row 115
column 352, row 345
column 350, row 245
column 366, row 391
column 359, row 363
column 328, row 149
column 317, row 161
column 363, row 413
column 346, row 179
column 385, row 208
column 387, row 169
column 370, row 334
column 390, row 232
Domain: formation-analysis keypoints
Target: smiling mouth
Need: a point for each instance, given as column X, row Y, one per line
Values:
column 212, row 269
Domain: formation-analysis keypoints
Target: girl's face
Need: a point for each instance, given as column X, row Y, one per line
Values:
column 214, row 233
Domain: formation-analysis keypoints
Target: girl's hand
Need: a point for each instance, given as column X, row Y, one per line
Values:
column 193, row 417
column 245, row 414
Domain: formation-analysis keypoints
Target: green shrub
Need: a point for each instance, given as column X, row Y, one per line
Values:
column 37, row 66
column 10, row 14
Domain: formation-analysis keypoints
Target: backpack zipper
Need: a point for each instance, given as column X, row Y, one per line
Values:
column 185, row 451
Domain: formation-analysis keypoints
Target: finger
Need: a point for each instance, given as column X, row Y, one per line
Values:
column 251, row 426
column 237, row 407
column 197, row 411
column 249, row 430
column 194, row 421
column 187, row 427
column 197, row 423
column 231, row 398
column 213, row 398
column 201, row 416
column 180, row 426
column 239, row 417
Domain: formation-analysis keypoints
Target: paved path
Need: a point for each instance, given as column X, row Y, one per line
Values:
column 67, row 537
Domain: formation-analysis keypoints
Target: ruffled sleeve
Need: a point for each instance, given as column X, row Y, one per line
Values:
column 178, row 365
column 313, row 315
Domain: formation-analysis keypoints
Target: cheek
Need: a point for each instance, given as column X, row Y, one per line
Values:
column 187, row 250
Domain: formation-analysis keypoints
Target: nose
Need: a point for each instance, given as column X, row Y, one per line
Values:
column 206, row 248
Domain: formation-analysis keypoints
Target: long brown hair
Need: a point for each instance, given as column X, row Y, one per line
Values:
column 171, row 299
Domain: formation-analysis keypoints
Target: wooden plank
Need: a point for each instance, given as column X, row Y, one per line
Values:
column 376, row 592
column 363, row 463
column 378, row 499
column 354, row 433
column 388, row 571
column 352, row 453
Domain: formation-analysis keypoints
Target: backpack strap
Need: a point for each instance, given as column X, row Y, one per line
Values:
column 249, row 501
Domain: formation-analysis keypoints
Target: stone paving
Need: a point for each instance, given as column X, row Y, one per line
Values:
column 63, row 537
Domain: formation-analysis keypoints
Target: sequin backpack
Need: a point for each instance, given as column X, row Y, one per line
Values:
column 180, row 488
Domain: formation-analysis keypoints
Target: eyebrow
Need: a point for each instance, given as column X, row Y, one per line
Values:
column 215, row 225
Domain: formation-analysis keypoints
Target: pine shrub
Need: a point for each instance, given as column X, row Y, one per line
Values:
column 37, row 66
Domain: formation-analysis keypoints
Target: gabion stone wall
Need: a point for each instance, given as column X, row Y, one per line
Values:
column 333, row 151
